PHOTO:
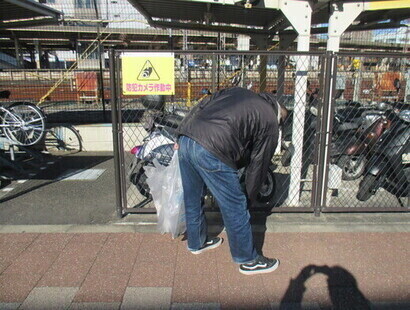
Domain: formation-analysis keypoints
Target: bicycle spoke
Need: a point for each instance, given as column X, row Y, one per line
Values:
column 34, row 120
column 24, row 124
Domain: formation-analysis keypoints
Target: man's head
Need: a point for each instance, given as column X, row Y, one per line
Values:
column 279, row 108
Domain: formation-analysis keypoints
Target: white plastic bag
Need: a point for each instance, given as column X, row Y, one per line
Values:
column 166, row 189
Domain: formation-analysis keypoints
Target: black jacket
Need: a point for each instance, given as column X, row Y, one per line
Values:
column 240, row 128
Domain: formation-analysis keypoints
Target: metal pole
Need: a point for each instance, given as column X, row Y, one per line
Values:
column 115, row 133
column 317, row 166
column 120, row 134
column 213, row 73
column 218, row 61
column 101, row 77
column 325, row 131
column 18, row 53
column 302, row 67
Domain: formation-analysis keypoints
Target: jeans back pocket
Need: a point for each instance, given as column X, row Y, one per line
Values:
column 206, row 161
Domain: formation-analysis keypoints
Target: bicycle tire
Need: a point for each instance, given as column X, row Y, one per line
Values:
column 24, row 124
column 62, row 140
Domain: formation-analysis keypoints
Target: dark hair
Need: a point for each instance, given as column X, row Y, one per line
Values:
column 278, row 106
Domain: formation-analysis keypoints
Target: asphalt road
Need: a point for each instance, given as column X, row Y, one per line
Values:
column 57, row 195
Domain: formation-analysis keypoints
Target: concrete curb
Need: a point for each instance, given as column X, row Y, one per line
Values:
column 146, row 223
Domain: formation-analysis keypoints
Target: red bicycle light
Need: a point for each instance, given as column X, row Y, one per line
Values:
column 135, row 149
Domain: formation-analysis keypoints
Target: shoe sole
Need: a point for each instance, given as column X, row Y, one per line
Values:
column 267, row 270
column 208, row 248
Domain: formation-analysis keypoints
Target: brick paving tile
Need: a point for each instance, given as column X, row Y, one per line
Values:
column 295, row 305
column 9, row 306
column 14, row 288
column 115, row 260
column 4, row 264
column 198, row 286
column 240, row 291
column 65, row 276
column 11, row 246
column 154, row 274
column 51, row 239
column 157, row 251
column 385, row 290
column 125, row 239
column 81, row 250
column 222, row 253
column 9, row 252
column 44, row 298
column 90, row 237
column 147, row 298
column 102, row 287
column 71, row 266
column 153, row 238
column 95, row 306
column 32, row 263
column 195, row 306
column 304, row 292
column 49, row 242
column 17, row 238
column 187, row 262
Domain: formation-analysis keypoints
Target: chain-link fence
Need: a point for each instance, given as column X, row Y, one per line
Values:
column 367, row 92
column 196, row 76
column 75, row 97
column 370, row 138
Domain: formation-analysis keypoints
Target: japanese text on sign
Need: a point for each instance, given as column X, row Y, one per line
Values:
column 151, row 87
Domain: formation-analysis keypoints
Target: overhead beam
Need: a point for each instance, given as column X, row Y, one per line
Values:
column 342, row 16
column 38, row 8
column 213, row 28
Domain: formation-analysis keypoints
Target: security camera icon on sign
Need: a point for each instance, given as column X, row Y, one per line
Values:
column 147, row 72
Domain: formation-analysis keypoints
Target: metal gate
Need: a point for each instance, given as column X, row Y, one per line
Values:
column 316, row 88
column 371, row 91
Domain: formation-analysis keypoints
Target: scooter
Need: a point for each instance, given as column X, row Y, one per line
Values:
column 345, row 125
column 354, row 151
column 355, row 131
column 389, row 166
column 159, row 143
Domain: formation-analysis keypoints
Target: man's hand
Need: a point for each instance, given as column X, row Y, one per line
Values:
column 176, row 146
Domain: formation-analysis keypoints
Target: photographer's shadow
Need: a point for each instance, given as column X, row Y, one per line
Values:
column 343, row 290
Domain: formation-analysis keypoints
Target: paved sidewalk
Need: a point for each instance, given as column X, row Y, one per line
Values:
column 136, row 270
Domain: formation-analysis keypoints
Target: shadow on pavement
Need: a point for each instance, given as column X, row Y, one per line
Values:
column 342, row 285
column 53, row 174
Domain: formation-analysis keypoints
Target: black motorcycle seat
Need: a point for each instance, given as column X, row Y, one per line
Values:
column 170, row 132
column 170, row 120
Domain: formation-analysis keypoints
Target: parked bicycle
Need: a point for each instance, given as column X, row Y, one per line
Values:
column 22, row 123
column 62, row 139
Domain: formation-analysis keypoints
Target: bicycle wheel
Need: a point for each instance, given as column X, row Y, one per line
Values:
column 24, row 124
column 62, row 140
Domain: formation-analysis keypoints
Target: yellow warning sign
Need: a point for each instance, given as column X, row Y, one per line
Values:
column 148, row 74
column 388, row 5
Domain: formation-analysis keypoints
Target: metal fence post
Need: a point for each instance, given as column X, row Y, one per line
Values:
column 326, row 125
column 115, row 133
column 315, row 198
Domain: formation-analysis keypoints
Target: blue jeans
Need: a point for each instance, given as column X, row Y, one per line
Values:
column 199, row 168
